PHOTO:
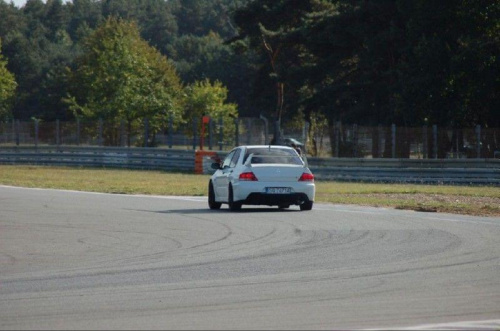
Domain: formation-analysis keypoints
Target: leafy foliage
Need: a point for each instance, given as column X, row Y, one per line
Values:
column 408, row 62
column 209, row 99
column 7, row 87
column 269, row 25
column 119, row 76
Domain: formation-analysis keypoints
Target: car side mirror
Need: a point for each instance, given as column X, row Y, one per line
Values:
column 216, row 166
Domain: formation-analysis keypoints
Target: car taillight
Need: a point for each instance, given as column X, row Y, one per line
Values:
column 306, row 177
column 249, row 176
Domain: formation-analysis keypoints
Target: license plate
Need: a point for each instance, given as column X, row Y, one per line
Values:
column 278, row 190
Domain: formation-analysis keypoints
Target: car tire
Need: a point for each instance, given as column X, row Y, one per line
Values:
column 211, row 197
column 234, row 206
column 308, row 205
column 283, row 206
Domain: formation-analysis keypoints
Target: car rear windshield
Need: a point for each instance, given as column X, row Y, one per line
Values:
column 273, row 156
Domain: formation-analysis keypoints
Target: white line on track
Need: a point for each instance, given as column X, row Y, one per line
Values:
column 466, row 325
column 171, row 197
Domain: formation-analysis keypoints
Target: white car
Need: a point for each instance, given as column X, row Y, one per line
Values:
column 261, row 175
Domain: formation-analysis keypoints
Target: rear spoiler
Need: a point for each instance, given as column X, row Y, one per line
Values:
column 248, row 162
column 306, row 163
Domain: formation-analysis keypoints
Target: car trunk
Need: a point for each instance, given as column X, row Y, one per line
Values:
column 273, row 173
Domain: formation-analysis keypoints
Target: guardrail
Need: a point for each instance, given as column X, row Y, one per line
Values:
column 113, row 157
column 405, row 163
column 424, row 171
column 445, row 171
column 410, row 175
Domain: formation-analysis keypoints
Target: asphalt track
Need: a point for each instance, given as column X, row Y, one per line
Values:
column 74, row 260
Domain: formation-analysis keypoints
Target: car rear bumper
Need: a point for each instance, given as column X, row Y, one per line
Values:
column 276, row 199
column 254, row 193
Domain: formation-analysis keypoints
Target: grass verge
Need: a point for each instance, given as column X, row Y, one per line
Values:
column 469, row 200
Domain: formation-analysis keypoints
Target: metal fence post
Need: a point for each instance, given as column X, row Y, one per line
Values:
column 58, row 134
column 304, row 137
column 122, row 133
column 36, row 133
column 78, row 131
column 355, row 140
column 13, row 131
column 146, row 131
column 221, row 133
column 237, row 132
column 478, row 141
column 249, row 130
column 17, row 132
column 381, row 145
column 195, row 127
column 337, row 139
column 210, row 133
column 307, row 125
column 170, row 130
column 393, row 144
column 99, row 142
column 434, row 141
column 425, row 143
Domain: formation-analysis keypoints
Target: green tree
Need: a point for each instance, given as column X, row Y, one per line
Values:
column 7, row 87
column 204, row 98
column 198, row 18
column 38, row 48
column 12, row 19
column 269, row 27
column 85, row 16
column 121, row 77
column 56, row 18
column 157, row 23
column 209, row 57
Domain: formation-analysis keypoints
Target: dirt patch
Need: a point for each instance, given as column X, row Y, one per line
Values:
column 458, row 204
column 450, row 199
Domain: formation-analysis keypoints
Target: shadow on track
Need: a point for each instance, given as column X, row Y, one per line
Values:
column 220, row 211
